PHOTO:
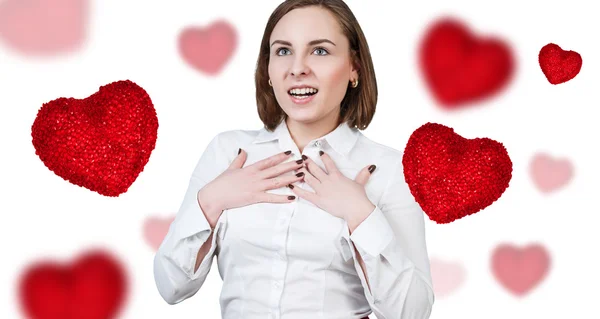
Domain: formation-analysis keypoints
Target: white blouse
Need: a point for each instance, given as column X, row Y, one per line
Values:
column 295, row 260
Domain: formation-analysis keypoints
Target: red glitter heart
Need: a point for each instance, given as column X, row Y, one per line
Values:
column 459, row 68
column 558, row 65
column 101, row 142
column 93, row 287
column 451, row 176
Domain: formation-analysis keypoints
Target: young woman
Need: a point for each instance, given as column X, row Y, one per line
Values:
column 311, row 219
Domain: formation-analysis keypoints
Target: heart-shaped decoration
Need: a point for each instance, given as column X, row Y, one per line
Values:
column 44, row 27
column 93, row 287
column 520, row 269
column 155, row 230
column 446, row 276
column 451, row 176
column 459, row 67
column 558, row 65
column 101, row 142
column 208, row 49
column 550, row 174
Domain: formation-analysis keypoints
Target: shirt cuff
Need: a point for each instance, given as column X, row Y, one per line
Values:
column 191, row 220
column 374, row 234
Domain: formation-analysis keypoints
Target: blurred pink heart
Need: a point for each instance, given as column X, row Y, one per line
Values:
column 447, row 276
column 42, row 27
column 155, row 230
column 520, row 269
column 548, row 173
column 208, row 49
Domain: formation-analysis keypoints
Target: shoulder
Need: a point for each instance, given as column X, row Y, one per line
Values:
column 385, row 155
column 234, row 138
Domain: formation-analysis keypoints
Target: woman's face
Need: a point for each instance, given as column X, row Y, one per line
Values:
column 308, row 50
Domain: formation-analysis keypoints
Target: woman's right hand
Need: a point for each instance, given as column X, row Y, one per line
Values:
column 237, row 186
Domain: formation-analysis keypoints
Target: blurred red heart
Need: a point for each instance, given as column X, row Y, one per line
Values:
column 520, row 269
column 101, row 142
column 208, row 48
column 155, row 230
column 451, row 176
column 44, row 27
column 460, row 68
column 558, row 65
column 93, row 287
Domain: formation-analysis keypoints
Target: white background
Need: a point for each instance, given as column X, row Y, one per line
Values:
column 43, row 216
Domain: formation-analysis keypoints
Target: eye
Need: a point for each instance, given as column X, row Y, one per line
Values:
column 279, row 50
column 322, row 49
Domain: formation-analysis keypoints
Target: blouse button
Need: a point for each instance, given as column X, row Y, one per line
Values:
column 317, row 144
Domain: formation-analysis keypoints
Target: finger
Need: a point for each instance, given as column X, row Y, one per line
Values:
column 329, row 164
column 280, row 181
column 281, row 168
column 310, row 179
column 308, row 195
column 239, row 160
column 363, row 176
column 314, row 169
column 264, row 197
column 270, row 161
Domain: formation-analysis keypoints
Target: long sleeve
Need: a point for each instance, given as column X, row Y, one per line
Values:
column 391, row 242
column 176, row 257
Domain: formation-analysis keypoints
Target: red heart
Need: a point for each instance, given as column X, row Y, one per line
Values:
column 208, row 49
column 155, row 230
column 44, row 27
column 559, row 65
column 94, row 287
column 101, row 142
column 451, row 176
column 520, row 269
column 459, row 68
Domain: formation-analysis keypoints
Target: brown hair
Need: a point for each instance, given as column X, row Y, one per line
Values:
column 358, row 105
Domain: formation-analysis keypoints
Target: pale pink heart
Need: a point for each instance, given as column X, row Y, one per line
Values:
column 520, row 269
column 208, row 49
column 43, row 27
column 155, row 230
column 446, row 276
column 549, row 173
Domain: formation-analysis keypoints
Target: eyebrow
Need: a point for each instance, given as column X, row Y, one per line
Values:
column 313, row 42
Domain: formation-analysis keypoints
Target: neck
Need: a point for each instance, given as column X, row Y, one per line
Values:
column 302, row 132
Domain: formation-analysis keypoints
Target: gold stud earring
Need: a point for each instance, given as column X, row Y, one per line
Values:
column 270, row 83
column 355, row 83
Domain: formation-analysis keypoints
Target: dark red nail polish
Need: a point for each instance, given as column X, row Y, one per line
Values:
column 288, row 152
column 291, row 197
column 291, row 186
column 321, row 153
column 304, row 157
column 299, row 161
column 239, row 151
column 300, row 174
column 372, row 168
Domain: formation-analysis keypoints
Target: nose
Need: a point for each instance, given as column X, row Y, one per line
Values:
column 299, row 66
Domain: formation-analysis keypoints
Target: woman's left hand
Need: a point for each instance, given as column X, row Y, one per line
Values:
column 334, row 192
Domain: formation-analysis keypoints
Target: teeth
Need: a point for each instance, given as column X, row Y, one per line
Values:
column 303, row 91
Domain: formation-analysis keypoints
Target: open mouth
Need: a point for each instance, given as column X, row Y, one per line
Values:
column 303, row 93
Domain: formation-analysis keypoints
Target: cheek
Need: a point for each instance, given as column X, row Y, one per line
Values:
column 337, row 83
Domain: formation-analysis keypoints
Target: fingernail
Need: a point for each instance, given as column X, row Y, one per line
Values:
column 372, row 168
column 291, row 186
column 239, row 151
column 288, row 152
column 300, row 174
column 304, row 157
column 321, row 153
column 299, row 161
column 291, row 197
